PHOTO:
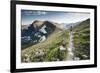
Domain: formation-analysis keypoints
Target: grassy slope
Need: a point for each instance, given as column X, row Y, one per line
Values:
column 50, row 47
column 82, row 40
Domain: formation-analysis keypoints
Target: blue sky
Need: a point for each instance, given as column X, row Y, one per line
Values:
column 28, row 16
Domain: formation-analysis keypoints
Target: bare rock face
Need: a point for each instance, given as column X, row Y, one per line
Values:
column 36, row 32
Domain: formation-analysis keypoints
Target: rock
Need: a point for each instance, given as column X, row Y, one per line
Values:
column 76, row 58
column 62, row 48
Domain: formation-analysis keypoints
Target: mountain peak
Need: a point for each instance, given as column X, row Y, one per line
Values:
column 37, row 23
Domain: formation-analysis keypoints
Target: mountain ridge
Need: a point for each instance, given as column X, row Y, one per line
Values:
column 38, row 31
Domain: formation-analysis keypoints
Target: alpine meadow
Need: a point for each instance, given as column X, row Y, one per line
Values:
column 48, row 36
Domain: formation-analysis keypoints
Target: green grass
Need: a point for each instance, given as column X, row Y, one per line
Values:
column 50, row 47
column 82, row 40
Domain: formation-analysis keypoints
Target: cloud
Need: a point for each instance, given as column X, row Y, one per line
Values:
column 30, row 12
column 60, row 17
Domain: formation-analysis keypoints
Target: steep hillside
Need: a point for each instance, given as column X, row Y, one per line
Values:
column 82, row 40
column 48, row 50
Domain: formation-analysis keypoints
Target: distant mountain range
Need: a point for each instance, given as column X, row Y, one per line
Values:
column 68, row 25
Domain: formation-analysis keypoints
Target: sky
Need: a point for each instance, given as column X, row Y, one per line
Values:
column 28, row 16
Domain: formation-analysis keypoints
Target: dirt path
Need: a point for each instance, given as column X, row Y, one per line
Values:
column 70, row 55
